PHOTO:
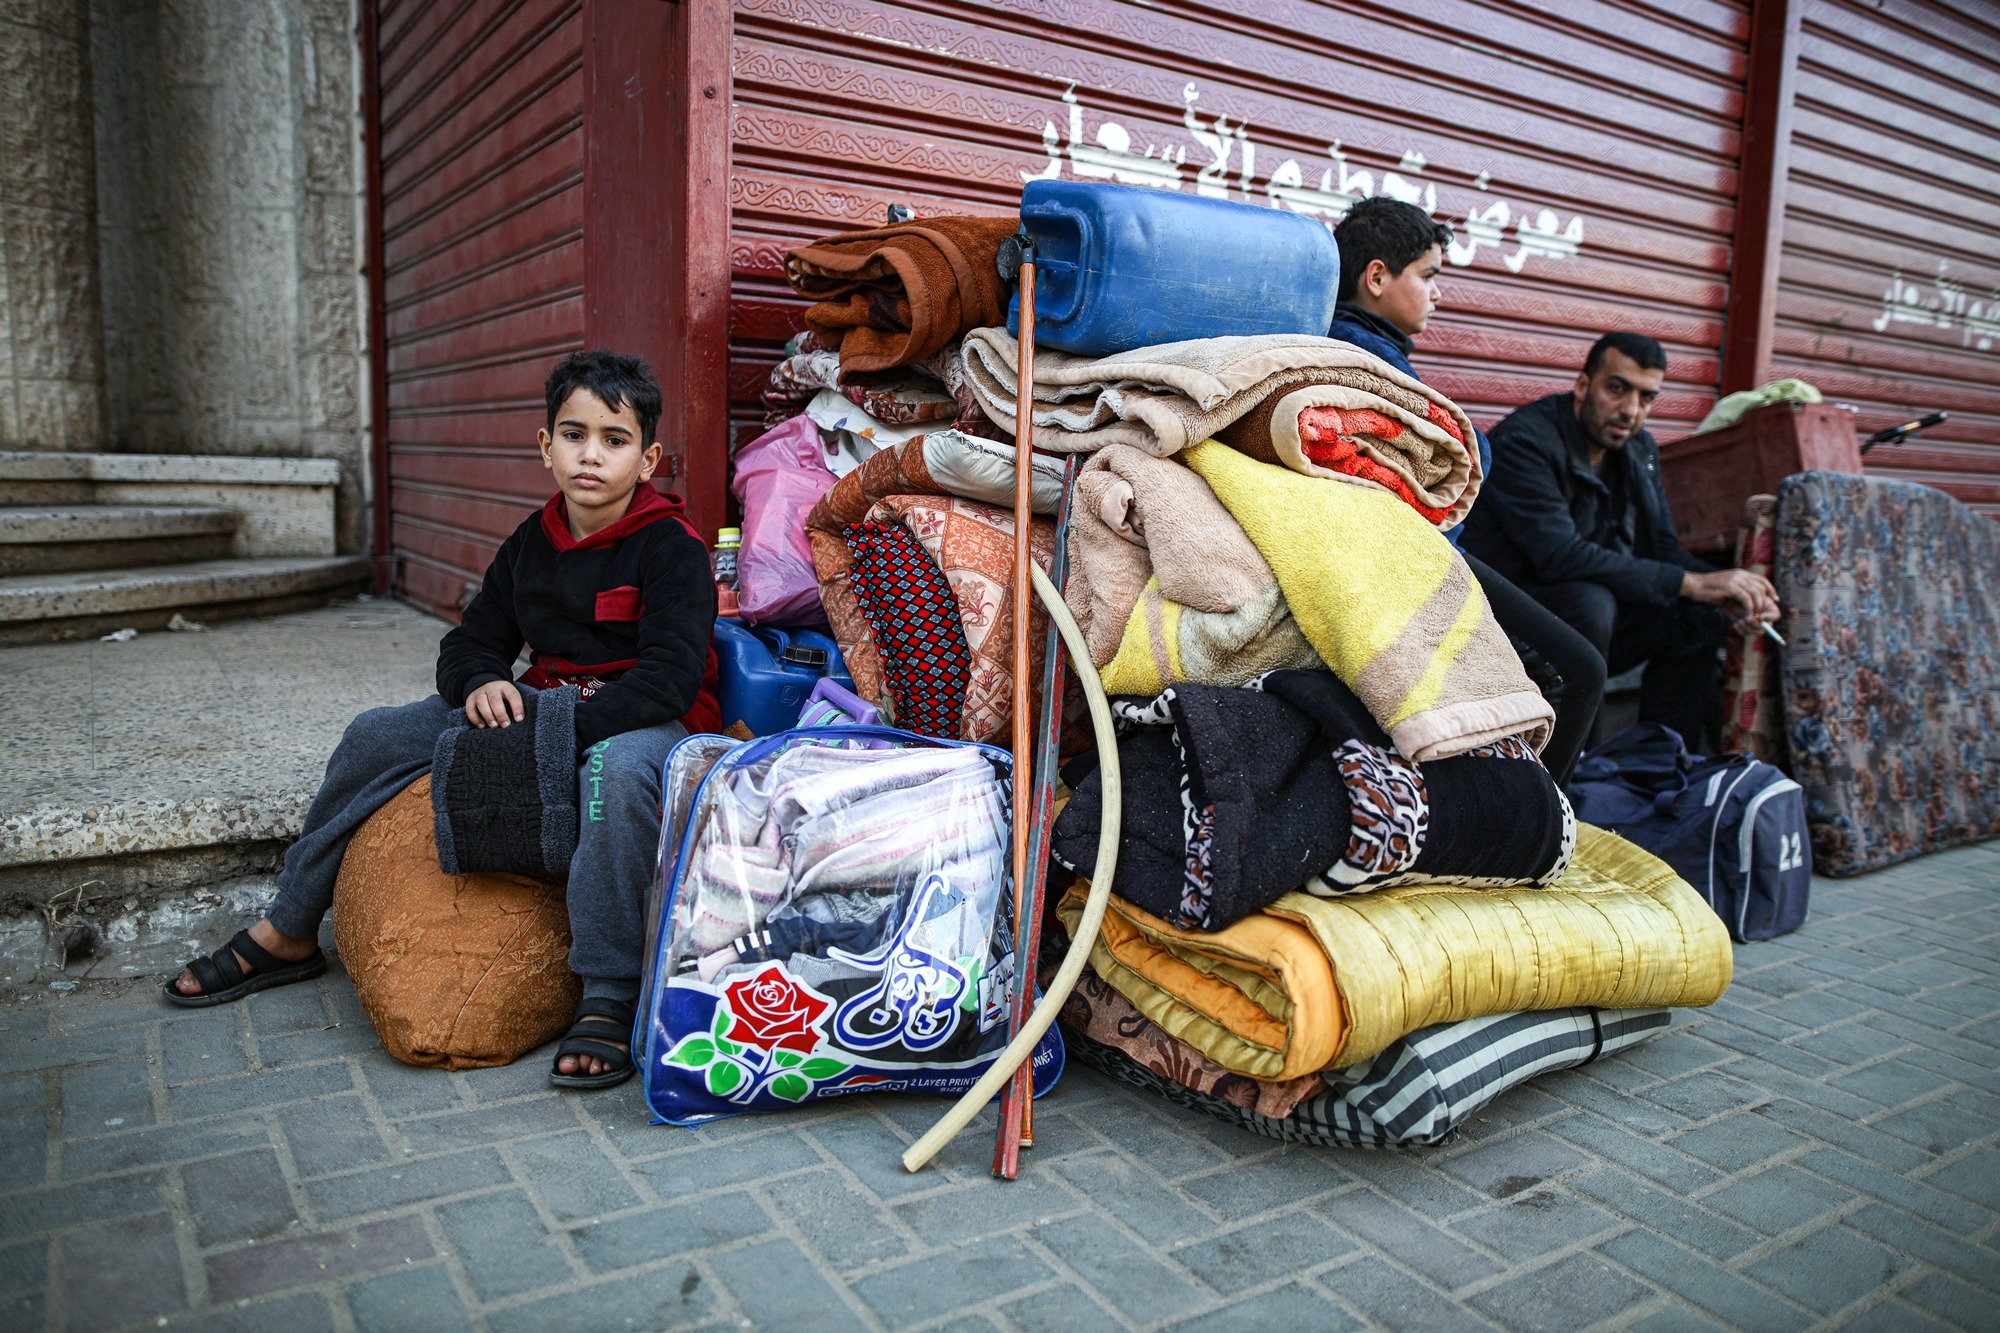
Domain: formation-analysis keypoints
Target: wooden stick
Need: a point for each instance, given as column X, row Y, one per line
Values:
column 1109, row 826
column 1048, row 738
column 1013, row 1107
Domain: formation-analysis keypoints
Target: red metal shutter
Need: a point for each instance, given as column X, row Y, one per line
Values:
column 482, row 225
column 533, row 195
column 1587, row 156
column 1889, row 288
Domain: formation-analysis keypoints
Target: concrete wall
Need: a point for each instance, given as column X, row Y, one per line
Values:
column 229, row 188
column 51, row 345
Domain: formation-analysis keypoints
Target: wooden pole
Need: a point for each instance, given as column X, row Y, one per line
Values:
column 1016, row 1127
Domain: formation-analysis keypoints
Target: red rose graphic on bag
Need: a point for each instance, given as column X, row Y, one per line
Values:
column 773, row 1011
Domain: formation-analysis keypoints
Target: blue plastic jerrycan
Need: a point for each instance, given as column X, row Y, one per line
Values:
column 765, row 675
column 1123, row 266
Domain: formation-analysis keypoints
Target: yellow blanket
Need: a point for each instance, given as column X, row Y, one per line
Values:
column 1312, row 983
column 1386, row 600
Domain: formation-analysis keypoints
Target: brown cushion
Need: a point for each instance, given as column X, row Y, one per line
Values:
column 458, row 971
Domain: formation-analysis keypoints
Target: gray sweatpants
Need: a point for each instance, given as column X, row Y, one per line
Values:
column 618, row 826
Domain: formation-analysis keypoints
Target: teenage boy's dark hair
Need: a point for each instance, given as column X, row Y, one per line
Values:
column 1386, row 229
column 615, row 379
column 1644, row 352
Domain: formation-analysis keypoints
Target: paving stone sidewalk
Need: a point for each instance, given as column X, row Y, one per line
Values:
column 1817, row 1150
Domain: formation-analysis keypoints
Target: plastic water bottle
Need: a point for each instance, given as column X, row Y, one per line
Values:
column 728, row 541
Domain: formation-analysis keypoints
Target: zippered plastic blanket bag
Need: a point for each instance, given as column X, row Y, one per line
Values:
column 834, row 915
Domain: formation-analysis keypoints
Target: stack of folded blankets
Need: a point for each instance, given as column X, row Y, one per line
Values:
column 913, row 547
column 1351, row 904
column 890, row 308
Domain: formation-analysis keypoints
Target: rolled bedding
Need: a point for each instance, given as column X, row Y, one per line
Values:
column 1165, row 584
column 1311, row 983
column 1252, row 392
column 1234, row 798
column 940, row 463
column 1416, row 1093
column 1387, row 603
column 892, row 296
column 974, row 545
column 1101, row 1016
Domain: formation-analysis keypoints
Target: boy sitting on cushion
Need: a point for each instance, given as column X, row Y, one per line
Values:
column 613, row 590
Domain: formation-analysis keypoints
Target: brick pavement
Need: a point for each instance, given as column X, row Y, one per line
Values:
column 1819, row 1149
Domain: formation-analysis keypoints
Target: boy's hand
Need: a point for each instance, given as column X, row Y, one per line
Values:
column 495, row 704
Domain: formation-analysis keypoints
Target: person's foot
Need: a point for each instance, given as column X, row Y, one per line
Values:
column 266, row 936
column 596, row 1052
column 585, row 1066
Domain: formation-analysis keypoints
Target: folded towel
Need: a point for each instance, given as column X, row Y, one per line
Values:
column 1163, row 399
column 1234, row 798
column 1311, row 983
column 504, row 798
column 894, row 295
column 1164, row 583
column 1388, row 604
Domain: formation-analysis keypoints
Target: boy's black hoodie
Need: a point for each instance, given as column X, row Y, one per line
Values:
column 631, row 605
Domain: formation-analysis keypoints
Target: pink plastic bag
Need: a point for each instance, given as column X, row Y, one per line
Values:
column 780, row 476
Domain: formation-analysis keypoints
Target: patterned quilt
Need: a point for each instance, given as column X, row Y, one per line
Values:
column 1892, row 674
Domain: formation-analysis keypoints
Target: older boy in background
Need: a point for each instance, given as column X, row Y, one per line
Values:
column 1390, row 256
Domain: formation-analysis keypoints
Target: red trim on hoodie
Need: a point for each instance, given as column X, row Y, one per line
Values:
column 649, row 506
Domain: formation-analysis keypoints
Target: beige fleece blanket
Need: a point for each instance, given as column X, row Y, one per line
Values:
column 1166, row 585
column 1163, row 399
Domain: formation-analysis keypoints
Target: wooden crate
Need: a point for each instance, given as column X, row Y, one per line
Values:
column 1709, row 476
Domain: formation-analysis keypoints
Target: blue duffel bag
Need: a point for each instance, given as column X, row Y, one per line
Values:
column 1732, row 826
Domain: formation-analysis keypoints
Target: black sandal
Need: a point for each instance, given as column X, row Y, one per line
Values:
column 603, row 1029
column 223, row 980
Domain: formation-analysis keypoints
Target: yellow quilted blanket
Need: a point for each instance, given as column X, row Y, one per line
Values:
column 1311, row 983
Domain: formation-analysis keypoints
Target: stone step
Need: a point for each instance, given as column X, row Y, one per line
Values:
column 40, row 608
column 285, row 506
column 144, row 812
column 47, row 539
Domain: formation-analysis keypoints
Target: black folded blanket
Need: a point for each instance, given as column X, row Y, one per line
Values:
column 1235, row 797
column 505, row 797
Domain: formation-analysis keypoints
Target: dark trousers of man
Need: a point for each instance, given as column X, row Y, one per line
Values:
column 1678, row 644
column 1565, row 666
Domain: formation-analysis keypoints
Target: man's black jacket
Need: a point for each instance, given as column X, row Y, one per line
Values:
column 1543, row 508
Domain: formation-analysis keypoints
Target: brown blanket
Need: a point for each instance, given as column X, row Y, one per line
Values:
column 895, row 295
